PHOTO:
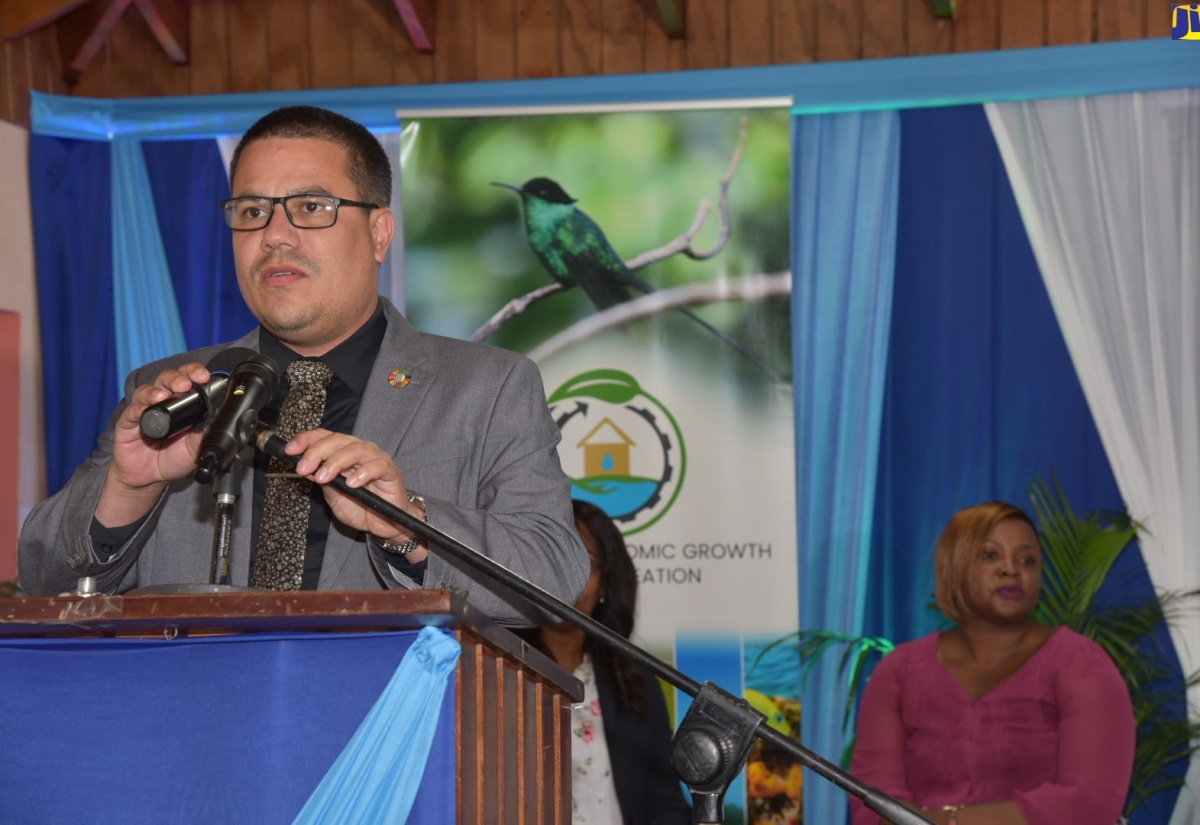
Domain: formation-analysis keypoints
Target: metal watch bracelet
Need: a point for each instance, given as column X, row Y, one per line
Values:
column 404, row 548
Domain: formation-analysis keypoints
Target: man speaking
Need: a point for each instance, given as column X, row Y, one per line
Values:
column 457, row 434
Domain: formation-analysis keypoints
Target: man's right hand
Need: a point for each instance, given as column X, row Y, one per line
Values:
column 141, row 466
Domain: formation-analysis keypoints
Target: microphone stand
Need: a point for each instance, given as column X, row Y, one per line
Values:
column 225, row 485
column 225, row 491
column 718, row 731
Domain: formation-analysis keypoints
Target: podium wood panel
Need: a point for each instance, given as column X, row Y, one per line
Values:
column 513, row 703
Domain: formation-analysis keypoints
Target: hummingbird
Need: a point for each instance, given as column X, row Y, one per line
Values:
column 575, row 252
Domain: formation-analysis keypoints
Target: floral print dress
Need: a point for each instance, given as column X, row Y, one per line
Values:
column 593, row 795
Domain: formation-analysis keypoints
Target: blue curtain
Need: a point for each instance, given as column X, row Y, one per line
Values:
column 188, row 180
column 72, row 229
column 119, row 283
column 981, row 395
column 147, row 320
column 844, row 206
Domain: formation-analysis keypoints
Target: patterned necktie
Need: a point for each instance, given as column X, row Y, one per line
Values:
column 283, row 528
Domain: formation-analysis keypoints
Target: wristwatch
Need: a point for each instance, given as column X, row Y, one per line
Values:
column 404, row 548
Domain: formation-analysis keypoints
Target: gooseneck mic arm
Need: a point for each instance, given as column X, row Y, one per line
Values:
column 714, row 737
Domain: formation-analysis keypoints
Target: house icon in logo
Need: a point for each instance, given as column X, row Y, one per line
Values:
column 606, row 450
column 633, row 462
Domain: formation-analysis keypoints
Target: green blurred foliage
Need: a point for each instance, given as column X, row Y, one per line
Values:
column 640, row 176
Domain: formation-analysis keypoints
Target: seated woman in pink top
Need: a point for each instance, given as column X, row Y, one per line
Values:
column 1000, row 721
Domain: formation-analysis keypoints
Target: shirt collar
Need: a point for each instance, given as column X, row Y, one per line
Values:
column 351, row 360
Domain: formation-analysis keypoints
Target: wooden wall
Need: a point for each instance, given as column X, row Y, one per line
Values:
column 261, row 45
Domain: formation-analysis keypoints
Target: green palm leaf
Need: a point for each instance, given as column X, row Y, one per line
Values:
column 1079, row 553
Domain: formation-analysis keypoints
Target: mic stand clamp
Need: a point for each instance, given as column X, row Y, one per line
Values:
column 712, row 743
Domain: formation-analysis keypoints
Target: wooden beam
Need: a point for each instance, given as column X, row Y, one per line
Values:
column 95, row 40
column 412, row 23
column 20, row 17
column 176, row 48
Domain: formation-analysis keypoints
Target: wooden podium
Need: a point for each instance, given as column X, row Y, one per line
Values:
column 512, row 714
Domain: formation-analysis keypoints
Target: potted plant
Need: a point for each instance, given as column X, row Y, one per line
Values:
column 1079, row 552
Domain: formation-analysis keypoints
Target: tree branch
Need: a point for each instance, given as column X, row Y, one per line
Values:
column 513, row 308
column 750, row 288
column 683, row 243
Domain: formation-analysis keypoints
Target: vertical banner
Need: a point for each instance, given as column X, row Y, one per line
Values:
column 642, row 259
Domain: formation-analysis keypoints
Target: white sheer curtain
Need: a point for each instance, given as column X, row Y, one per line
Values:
column 1109, row 190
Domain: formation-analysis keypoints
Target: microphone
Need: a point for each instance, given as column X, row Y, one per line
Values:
column 252, row 385
column 185, row 410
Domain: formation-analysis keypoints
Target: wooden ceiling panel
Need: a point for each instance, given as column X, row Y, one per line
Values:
column 21, row 17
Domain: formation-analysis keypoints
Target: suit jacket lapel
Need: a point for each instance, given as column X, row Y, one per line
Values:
column 384, row 415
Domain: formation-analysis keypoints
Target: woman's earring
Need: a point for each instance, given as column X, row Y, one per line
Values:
column 601, row 600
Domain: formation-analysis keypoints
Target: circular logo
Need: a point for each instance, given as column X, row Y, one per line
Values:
column 621, row 448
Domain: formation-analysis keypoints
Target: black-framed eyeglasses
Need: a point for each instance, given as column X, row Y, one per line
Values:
column 304, row 211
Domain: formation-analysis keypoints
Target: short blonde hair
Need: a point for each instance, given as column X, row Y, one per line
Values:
column 959, row 545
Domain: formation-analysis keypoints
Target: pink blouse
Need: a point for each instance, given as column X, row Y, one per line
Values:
column 1056, row 738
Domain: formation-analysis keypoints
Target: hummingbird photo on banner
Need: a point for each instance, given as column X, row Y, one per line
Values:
column 574, row 250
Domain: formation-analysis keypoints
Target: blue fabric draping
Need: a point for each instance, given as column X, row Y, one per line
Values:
column 119, row 309
column 147, row 319
column 981, row 396
column 69, row 183
column 844, row 201
column 188, row 180
column 919, row 483
column 229, row 729
column 1013, row 74
column 375, row 778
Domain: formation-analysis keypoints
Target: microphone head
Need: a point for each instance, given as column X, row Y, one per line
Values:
column 262, row 366
column 252, row 385
column 227, row 360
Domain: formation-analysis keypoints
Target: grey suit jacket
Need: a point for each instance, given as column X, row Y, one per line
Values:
column 471, row 431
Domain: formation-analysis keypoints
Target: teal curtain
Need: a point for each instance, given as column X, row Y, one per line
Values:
column 147, row 318
column 844, row 193
column 375, row 779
